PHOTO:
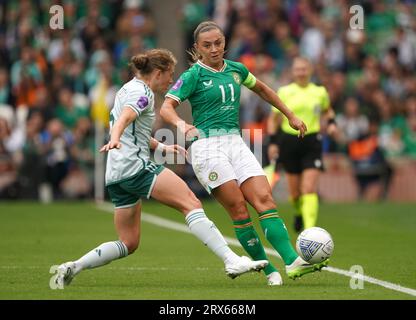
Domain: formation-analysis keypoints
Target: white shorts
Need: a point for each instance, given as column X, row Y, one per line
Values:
column 219, row 159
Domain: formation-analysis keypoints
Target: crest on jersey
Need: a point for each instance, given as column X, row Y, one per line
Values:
column 177, row 84
column 213, row 176
column 237, row 78
column 142, row 102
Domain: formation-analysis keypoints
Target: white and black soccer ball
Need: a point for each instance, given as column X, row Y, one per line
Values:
column 314, row 245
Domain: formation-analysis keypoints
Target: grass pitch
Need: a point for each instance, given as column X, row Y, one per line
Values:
column 174, row 265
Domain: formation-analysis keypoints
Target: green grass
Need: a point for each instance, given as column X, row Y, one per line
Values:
column 174, row 265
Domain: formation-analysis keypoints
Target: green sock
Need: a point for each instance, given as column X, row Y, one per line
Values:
column 250, row 241
column 309, row 209
column 297, row 205
column 276, row 233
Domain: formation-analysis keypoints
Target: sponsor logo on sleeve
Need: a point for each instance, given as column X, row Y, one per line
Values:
column 143, row 102
column 178, row 84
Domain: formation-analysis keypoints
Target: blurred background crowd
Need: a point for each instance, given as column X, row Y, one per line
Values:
column 55, row 84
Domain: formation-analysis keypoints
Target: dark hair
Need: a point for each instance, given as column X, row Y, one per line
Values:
column 202, row 27
column 145, row 63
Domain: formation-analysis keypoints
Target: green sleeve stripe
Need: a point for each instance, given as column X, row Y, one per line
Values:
column 250, row 81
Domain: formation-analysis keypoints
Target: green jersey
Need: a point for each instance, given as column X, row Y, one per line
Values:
column 307, row 103
column 214, row 96
column 134, row 153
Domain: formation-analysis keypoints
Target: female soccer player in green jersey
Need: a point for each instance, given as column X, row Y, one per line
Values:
column 131, row 175
column 222, row 162
column 302, row 159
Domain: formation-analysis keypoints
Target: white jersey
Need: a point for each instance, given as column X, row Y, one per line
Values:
column 127, row 161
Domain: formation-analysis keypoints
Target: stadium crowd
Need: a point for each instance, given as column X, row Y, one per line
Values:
column 55, row 83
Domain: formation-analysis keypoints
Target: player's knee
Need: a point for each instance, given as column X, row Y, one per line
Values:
column 132, row 245
column 191, row 203
column 238, row 210
column 264, row 201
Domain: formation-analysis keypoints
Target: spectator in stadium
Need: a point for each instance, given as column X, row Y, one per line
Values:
column 32, row 169
column 67, row 112
column 281, row 44
column 6, row 96
column 26, row 78
column 43, row 105
column 79, row 182
column 56, row 141
column 351, row 123
column 222, row 162
column 391, row 126
column 409, row 137
column 370, row 165
column 302, row 158
column 131, row 175
column 8, row 170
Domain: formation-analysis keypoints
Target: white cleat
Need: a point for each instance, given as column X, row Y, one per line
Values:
column 64, row 274
column 244, row 265
column 274, row 279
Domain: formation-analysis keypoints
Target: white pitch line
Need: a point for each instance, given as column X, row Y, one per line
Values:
column 169, row 224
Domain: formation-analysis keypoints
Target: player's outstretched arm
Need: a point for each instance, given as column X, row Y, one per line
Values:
column 267, row 94
column 169, row 115
column 127, row 116
column 174, row 148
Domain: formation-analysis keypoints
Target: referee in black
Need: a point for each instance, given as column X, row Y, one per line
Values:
column 302, row 158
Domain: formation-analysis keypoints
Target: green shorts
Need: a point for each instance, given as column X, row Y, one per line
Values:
column 128, row 192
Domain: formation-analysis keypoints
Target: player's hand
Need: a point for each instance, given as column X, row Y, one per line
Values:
column 332, row 130
column 298, row 124
column 189, row 130
column 111, row 145
column 176, row 148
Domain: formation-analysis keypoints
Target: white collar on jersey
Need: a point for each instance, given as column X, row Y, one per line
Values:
column 203, row 65
column 140, row 80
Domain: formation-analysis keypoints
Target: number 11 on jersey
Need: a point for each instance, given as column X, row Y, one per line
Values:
column 223, row 92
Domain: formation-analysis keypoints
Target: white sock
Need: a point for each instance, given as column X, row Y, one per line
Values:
column 103, row 254
column 206, row 231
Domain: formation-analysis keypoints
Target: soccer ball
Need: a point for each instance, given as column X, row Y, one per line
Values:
column 314, row 245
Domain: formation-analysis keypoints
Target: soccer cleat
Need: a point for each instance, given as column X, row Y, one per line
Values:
column 274, row 279
column 299, row 267
column 65, row 273
column 298, row 223
column 243, row 265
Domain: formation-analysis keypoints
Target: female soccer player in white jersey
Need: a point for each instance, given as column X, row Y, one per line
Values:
column 222, row 162
column 131, row 176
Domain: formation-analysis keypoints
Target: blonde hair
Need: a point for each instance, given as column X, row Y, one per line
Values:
column 145, row 63
column 202, row 27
